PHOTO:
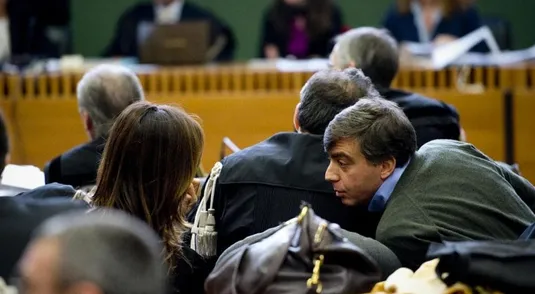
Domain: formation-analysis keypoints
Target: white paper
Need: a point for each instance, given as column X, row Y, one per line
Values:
column 23, row 176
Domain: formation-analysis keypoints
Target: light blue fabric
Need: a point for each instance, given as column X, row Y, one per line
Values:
column 379, row 200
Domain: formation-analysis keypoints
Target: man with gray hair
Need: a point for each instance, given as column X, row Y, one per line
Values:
column 446, row 191
column 103, row 93
column 93, row 253
column 377, row 54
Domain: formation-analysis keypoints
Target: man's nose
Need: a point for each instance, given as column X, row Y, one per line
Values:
column 331, row 175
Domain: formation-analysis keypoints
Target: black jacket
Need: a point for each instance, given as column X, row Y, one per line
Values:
column 20, row 215
column 264, row 185
column 76, row 167
column 125, row 43
column 432, row 119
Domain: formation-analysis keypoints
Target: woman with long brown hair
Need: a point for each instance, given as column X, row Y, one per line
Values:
column 432, row 21
column 300, row 28
column 147, row 170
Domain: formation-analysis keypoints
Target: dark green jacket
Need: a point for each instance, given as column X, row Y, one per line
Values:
column 451, row 191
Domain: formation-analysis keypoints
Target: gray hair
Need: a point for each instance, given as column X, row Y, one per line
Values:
column 104, row 92
column 379, row 126
column 327, row 93
column 115, row 251
column 372, row 50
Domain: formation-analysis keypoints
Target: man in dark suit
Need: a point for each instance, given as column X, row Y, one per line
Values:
column 376, row 53
column 446, row 191
column 125, row 41
column 103, row 93
column 264, row 185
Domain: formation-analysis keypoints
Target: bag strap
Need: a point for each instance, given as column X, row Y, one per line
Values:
column 203, row 234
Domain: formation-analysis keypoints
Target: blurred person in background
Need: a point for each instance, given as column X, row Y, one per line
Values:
column 147, row 170
column 300, row 28
column 125, row 40
column 93, row 253
column 103, row 93
column 433, row 21
column 377, row 54
column 21, row 35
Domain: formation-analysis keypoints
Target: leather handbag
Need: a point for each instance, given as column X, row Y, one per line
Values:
column 304, row 255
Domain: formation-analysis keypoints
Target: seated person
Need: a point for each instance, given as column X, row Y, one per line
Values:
column 21, row 36
column 99, row 252
column 300, row 28
column 377, row 54
column 125, row 42
column 149, row 163
column 446, row 191
column 263, row 185
column 103, row 93
column 438, row 21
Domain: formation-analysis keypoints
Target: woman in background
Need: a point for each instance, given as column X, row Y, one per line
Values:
column 147, row 170
column 300, row 29
column 433, row 21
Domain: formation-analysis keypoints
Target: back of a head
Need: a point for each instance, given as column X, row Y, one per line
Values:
column 327, row 93
column 116, row 252
column 379, row 126
column 105, row 91
column 370, row 49
column 4, row 143
column 150, row 159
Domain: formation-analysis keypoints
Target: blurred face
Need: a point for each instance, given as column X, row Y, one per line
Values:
column 160, row 2
column 354, row 179
column 39, row 268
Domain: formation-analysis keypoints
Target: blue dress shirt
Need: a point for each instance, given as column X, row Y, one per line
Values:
column 379, row 200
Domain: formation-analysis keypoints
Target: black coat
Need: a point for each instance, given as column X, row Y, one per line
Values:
column 432, row 119
column 20, row 215
column 125, row 43
column 76, row 167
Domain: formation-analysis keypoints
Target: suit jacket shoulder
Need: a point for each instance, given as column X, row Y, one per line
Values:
column 450, row 191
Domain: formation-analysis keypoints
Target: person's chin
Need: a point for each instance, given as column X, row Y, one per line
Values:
column 348, row 201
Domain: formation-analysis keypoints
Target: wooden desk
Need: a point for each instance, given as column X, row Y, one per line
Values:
column 249, row 106
column 524, row 126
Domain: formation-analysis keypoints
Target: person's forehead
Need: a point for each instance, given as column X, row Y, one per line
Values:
column 348, row 147
column 41, row 258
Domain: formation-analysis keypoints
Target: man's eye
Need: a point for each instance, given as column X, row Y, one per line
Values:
column 341, row 163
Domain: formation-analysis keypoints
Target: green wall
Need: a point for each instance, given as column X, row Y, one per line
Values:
column 94, row 20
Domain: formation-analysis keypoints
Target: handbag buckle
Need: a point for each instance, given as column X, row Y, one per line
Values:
column 314, row 281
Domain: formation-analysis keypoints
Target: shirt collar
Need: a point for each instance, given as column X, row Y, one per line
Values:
column 169, row 14
column 384, row 192
column 424, row 35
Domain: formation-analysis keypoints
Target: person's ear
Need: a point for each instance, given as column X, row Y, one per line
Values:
column 296, row 118
column 387, row 167
column 87, row 122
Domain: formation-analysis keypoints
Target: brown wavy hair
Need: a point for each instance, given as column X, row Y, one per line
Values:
column 318, row 16
column 149, row 162
column 448, row 6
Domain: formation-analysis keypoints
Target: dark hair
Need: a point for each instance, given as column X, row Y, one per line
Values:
column 318, row 14
column 327, row 93
column 379, row 126
column 149, row 162
column 4, row 143
column 372, row 50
